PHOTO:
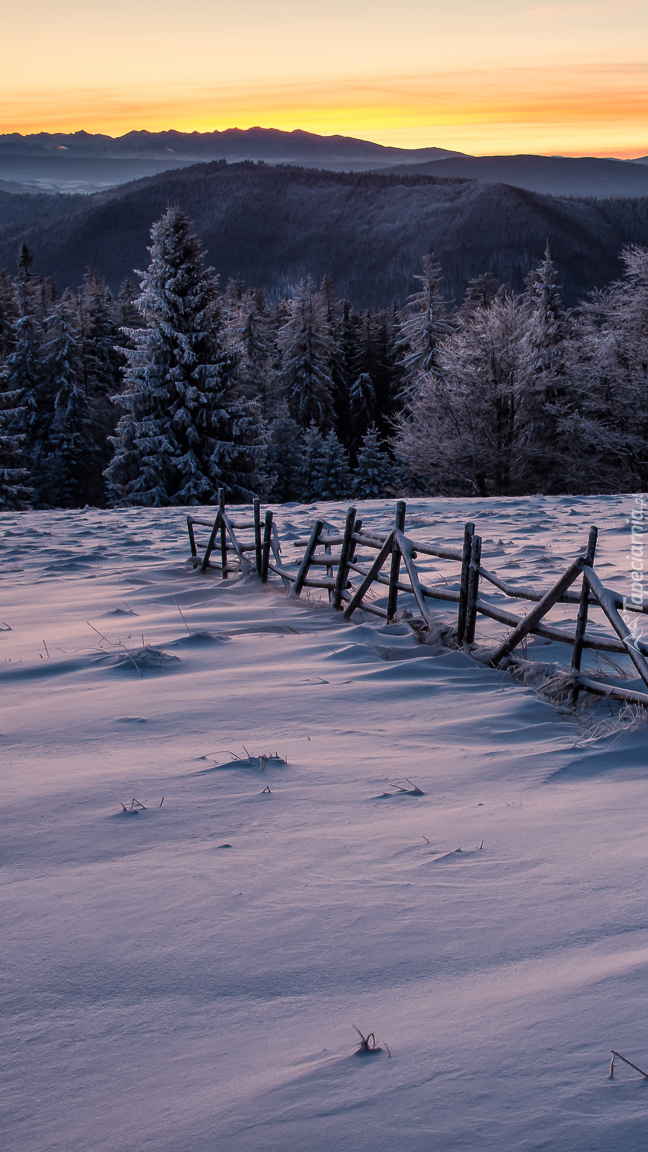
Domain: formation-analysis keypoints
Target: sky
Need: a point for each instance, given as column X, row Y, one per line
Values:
column 479, row 76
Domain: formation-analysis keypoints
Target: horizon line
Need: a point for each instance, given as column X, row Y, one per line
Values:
column 565, row 155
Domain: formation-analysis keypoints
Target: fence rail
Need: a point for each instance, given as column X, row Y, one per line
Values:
column 349, row 594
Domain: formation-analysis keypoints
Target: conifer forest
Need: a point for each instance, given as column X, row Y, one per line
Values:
column 171, row 389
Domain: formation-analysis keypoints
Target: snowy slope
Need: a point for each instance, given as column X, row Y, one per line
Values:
column 188, row 978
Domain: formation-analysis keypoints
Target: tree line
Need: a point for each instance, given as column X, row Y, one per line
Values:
column 165, row 395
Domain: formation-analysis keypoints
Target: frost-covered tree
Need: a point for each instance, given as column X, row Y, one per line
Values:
column 459, row 433
column 8, row 314
column 333, row 474
column 612, row 378
column 374, row 472
column 343, row 368
column 125, row 310
column 546, row 395
column 283, row 458
column 103, row 361
column 23, row 376
column 15, row 496
column 481, row 292
column 254, row 344
column 185, row 433
column 307, row 355
column 311, row 464
column 362, row 410
column 66, row 470
column 425, row 326
column 324, row 473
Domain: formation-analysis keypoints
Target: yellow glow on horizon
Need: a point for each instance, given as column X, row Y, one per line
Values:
column 594, row 110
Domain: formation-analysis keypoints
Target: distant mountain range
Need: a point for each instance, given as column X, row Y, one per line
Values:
column 85, row 162
column 273, row 225
column 80, row 161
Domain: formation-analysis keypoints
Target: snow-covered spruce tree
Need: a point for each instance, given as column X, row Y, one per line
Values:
column 612, row 375
column 66, row 471
column 387, row 373
column 103, row 366
column 15, row 496
column 23, row 374
column 125, row 311
column 103, row 361
column 546, row 396
column 481, row 292
column 362, row 410
column 253, row 342
column 459, row 433
column 343, row 371
column 333, row 475
column 307, row 354
column 311, row 464
column 425, row 325
column 283, row 458
column 374, row 472
column 185, row 432
column 8, row 314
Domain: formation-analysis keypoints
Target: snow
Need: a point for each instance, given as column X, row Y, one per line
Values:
column 189, row 978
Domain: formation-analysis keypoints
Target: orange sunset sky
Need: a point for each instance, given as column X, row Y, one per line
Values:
column 479, row 76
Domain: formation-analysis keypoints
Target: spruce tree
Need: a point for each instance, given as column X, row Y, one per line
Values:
column 343, row 370
column 307, row 355
column 15, row 496
column 185, row 432
column 332, row 475
column 283, row 458
column 66, row 470
column 374, row 472
column 8, row 314
column 23, row 376
column 252, row 340
column 547, row 396
column 103, row 361
column 362, row 410
column 425, row 326
column 311, row 465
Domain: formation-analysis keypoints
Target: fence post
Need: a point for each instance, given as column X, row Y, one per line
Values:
column 469, row 532
column 223, row 533
column 473, row 589
column 267, row 542
column 257, row 535
column 212, row 541
column 346, row 552
column 308, row 556
column 581, row 622
column 192, row 537
column 394, row 570
column 606, row 600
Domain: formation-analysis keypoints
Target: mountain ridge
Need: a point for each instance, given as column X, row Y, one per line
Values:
column 368, row 231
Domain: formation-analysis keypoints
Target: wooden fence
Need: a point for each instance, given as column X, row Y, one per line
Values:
column 349, row 576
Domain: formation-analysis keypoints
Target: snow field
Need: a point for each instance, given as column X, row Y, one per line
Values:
column 164, row 991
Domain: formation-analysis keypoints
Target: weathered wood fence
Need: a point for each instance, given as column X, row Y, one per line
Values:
column 349, row 576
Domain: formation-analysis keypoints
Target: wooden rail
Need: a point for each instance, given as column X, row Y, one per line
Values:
column 348, row 579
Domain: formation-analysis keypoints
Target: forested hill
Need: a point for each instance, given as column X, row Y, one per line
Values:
column 368, row 232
